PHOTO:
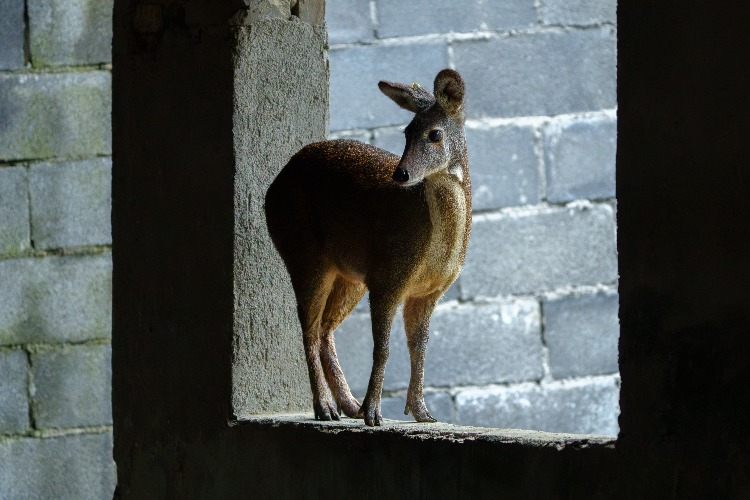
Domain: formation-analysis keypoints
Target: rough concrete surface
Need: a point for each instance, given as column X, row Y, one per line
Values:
column 280, row 105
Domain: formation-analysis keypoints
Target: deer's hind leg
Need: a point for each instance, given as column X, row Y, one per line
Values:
column 343, row 297
column 312, row 290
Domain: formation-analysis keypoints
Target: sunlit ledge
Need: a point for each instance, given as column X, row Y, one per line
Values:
column 434, row 431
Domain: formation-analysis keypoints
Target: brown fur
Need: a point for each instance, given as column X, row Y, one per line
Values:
column 342, row 224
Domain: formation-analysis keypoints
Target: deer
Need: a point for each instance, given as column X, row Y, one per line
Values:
column 347, row 217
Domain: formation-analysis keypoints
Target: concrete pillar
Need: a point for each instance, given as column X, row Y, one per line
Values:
column 209, row 102
column 280, row 104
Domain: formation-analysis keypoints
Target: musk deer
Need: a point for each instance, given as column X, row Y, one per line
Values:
column 346, row 217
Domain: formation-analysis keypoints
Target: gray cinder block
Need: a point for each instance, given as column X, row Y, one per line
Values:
column 533, row 251
column 420, row 17
column 14, row 400
column 69, row 467
column 348, row 21
column 580, row 159
column 56, row 299
column 65, row 32
column 588, row 406
column 11, row 34
column 577, row 12
column 14, row 211
column 69, row 114
column 538, row 74
column 504, row 167
column 73, row 386
column 70, row 203
column 582, row 334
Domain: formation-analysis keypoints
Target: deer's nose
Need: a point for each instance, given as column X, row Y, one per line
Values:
column 400, row 175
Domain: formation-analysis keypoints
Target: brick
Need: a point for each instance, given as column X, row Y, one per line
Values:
column 580, row 159
column 68, row 112
column 504, row 167
column 72, row 386
column 538, row 74
column 577, row 12
column 397, row 18
column 356, row 101
column 14, row 401
column 70, row 32
column 14, row 211
column 532, row 251
column 440, row 405
column 70, row 203
column 77, row 467
column 56, row 299
column 589, row 406
column 348, row 21
column 582, row 334
column 469, row 345
column 11, row 34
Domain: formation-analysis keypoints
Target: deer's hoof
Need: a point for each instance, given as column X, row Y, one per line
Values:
column 419, row 411
column 371, row 413
column 324, row 410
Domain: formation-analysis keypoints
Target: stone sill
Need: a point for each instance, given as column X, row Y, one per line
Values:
column 434, row 432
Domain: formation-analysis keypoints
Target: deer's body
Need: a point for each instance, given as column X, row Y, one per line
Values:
column 347, row 217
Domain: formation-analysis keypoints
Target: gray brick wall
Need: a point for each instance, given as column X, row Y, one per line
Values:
column 527, row 337
column 55, row 258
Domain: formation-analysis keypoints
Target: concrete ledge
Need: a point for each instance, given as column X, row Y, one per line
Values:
column 437, row 431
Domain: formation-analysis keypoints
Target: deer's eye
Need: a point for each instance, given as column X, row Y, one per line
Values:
column 435, row 135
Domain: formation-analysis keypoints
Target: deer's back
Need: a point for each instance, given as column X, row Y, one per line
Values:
column 339, row 196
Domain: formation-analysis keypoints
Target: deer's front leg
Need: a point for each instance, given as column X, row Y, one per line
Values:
column 417, row 313
column 382, row 308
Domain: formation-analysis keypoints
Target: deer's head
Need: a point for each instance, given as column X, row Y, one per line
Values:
column 435, row 138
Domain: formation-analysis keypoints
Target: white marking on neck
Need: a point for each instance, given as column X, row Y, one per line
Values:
column 457, row 171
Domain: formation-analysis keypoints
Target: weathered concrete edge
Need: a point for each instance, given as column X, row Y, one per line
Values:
column 433, row 432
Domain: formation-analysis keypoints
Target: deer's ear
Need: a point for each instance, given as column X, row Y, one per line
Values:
column 413, row 98
column 449, row 91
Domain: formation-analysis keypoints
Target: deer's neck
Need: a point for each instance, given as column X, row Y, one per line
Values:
column 448, row 206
